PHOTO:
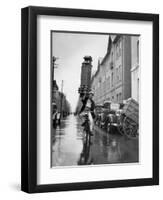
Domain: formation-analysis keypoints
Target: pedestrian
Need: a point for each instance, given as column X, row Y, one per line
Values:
column 54, row 118
column 58, row 118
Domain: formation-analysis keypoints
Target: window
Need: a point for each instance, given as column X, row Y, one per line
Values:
column 103, row 79
column 120, row 96
column 117, row 50
column 120, row 72
column 120, row 47
column 109, row 82
column 138, row 89
column 112, row 79
column 138, row 51
column 117, row 75
column 112, row 57
column 107, row 73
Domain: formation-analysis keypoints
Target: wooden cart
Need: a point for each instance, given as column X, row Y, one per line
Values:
column 128, row 123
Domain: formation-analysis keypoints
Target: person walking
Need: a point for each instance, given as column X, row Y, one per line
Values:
column 58, row 118
column 54, row 118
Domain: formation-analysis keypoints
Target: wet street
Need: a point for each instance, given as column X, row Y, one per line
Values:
column 70, row 147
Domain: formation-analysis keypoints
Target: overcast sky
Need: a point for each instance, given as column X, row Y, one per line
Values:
column 70, row 48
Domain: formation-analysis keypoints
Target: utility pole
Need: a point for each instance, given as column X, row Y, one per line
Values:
column 61, row 97
column 54, row 65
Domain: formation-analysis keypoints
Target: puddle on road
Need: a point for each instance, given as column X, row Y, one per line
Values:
column 69, row 146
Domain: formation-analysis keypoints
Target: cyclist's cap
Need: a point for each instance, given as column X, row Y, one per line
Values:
column 91, row 92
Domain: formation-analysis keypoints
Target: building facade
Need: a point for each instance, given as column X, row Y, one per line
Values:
column 112, row 80
column 59, row 99
column 135, row 69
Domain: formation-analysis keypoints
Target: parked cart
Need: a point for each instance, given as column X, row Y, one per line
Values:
column 98, row 113
column 112, row 119
column 128, row 122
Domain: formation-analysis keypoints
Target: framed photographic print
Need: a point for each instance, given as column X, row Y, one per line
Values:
column 90, row 99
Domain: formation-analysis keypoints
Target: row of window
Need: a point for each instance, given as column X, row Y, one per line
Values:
column 117, row 99
column 118, row 96
column 138, row 51
column 118, row 78
column 109, row 78
column 118, row 49
column 118, row 74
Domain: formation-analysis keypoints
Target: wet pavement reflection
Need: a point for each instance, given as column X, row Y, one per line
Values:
column 70, row 147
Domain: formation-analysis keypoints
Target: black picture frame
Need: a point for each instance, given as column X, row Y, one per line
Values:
column 29, row 98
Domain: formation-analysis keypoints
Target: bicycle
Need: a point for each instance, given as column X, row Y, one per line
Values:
column 86, row 125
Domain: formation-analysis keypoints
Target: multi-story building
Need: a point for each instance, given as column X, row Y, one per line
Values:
column 135, row 67
column 59, row 99
column 112, row 80
column 55, row 91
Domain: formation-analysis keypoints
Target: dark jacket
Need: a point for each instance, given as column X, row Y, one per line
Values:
column 84, row 101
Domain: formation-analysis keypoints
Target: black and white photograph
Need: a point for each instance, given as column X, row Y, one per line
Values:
column 95, row 84
column 90, row 99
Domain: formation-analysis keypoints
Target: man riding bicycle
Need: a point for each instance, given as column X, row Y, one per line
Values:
column 87, row 112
